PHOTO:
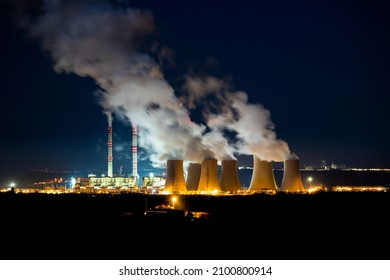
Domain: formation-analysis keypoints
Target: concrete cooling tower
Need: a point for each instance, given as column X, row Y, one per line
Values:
column 208, row 177
column 263, row 178
column 291, row 181
column 229, row 180
column 193, row 176
column 174, row 181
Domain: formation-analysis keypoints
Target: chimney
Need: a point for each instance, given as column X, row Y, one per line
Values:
column 291, row 181
column 174, row 181
column 109, row 145
column 229, row 180
column 208, row 177
column 263, row 178
column 193, row 176
column 135, row 150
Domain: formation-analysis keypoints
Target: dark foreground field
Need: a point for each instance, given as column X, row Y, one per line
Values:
column 321, row 226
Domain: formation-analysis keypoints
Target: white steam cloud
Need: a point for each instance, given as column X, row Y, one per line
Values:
column 95, row 40
column 231, row 111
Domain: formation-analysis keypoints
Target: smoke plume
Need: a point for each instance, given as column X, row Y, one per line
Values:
column 109, row 118
column 93, row 39
column 231, row 111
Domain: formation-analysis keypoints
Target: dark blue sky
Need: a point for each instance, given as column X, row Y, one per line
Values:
column 321, row 68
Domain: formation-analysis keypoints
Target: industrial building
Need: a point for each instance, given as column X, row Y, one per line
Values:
column 111, row 183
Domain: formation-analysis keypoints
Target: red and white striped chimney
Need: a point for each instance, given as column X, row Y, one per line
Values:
column 135, row 154
column 109, row 145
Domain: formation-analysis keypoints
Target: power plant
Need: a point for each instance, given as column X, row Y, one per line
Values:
column 202, row 178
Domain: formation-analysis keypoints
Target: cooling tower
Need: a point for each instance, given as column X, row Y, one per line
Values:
column 263, row 178
column 229, row 180
column 208, row 176
column 193, row 176
column 174, row 181
column 291, row 181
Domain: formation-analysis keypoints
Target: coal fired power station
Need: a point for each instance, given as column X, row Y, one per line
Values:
column 204, row 178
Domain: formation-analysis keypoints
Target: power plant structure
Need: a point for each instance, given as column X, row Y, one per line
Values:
column 209, row 182
column 263, row 179
column 229, row 180
column 292, row 181
column 135, row 153
column 111, row 183
column 174, row 181
column 109, row 148
column 193, row 176
column 202, row 178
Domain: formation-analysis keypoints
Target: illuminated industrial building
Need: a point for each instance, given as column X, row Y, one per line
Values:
column 153, row 184
column 94, row 184
column 110, row 183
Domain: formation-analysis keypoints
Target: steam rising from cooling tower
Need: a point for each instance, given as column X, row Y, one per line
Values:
column 193, row 176
column 209, row 176
column 109, row 45
column 263, row 176
column 291, row 181
column 229, row 180
column 174, row 181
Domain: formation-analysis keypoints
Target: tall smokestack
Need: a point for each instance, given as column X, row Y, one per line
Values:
column 209, row 176
column 229, row 180
column 135, row 154
column 263, row 176
column 109, row 146
column 174, row 181
column 193, row 176
column 291, row 181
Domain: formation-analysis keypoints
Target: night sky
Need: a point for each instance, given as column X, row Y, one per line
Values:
column 321, row 69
